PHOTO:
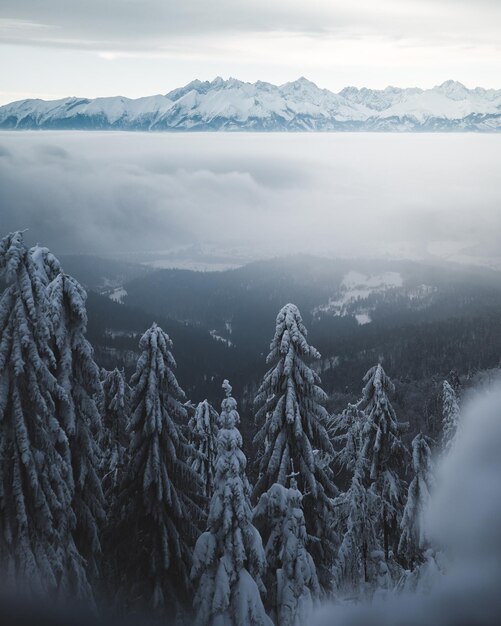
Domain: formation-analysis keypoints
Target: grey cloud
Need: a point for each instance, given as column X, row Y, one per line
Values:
column 339, row 194
column 161, row 25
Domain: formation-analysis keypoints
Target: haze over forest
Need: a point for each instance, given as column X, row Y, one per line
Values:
column 255, row 195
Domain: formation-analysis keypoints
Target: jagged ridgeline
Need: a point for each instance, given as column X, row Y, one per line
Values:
column 296, row 106
column 121, row 490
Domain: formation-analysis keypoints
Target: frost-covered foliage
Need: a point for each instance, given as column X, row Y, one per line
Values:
column 47, row 264
column 291, row 578
column 114, row 401
column 203, row 435
column 356, row 508
column 78, row 375
column 346, row 435
column 413, row 540
column 229, row 560
column 356, row 512
column 290, row 409
column 423, row 578
column 384, row 452
column 450, row 412
column 157, row 513
column 36, row 485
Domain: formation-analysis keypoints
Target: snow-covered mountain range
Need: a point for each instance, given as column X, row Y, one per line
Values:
column 295, row 106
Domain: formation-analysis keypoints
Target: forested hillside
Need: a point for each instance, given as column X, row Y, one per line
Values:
column 123, row 485
column 425, row 320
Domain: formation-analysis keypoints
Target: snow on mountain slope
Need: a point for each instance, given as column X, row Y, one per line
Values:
column 355, row 288
column 298, row 105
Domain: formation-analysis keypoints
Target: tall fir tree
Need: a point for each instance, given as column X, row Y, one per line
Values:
column 356, row 508
column 384, row 452
column 158, row 501
column 115, row 412
column 292, row 418
column 291, row 579
column 203, row 435
column 450, row 413
column 413, row 539
column 298, row 589
column 78, row 374
column 345, row 431
column 36, row 484
column 229, row 561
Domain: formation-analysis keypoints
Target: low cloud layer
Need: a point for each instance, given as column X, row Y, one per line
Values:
column 336, row 194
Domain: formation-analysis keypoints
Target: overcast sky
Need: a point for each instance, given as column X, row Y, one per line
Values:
column 56, row 48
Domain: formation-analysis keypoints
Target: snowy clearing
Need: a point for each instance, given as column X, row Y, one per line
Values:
column 355, row 288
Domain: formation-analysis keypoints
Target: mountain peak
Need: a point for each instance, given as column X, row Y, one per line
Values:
column 300, row 83
column 230, row 104
column 453, row 89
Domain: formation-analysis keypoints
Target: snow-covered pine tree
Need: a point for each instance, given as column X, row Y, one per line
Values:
column 158, row 500
column 203, row 435
column 291, row 578
column 78, row 374
column 36, row 517
column 269, row 518
column 297, row 585
column 450, row 412
column 345, row 431
column 114, row 406
column 115, row 411
column 355, row 506
column 356, row 515
column 292, row 416
column 384, row 452
column 413, row 540
column 229, row 561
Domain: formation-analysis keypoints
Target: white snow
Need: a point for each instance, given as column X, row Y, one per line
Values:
column 363, row 318
column 214, row 335
column 118, row 294
column 355, row 288
column 299, row 104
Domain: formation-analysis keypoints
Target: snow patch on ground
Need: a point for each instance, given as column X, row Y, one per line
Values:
column 421, row 292
column 118, row 294
column 354, row 290
column 363, row 318
column 113, row 333
column 195, row 266
column 214, row 335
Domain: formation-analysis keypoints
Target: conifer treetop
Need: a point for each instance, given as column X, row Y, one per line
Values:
column 203, row 435
column 228, row 561
column 451, row 413
column 48, row 264
column 413, row 540
column 36, row 485
column 156, row 356
column 291, row 413
column 382, row 444
column 160, row 492
column 290, row 337
column 375, row 394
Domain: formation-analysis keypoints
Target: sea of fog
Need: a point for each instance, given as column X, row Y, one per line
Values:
column 238, row 196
